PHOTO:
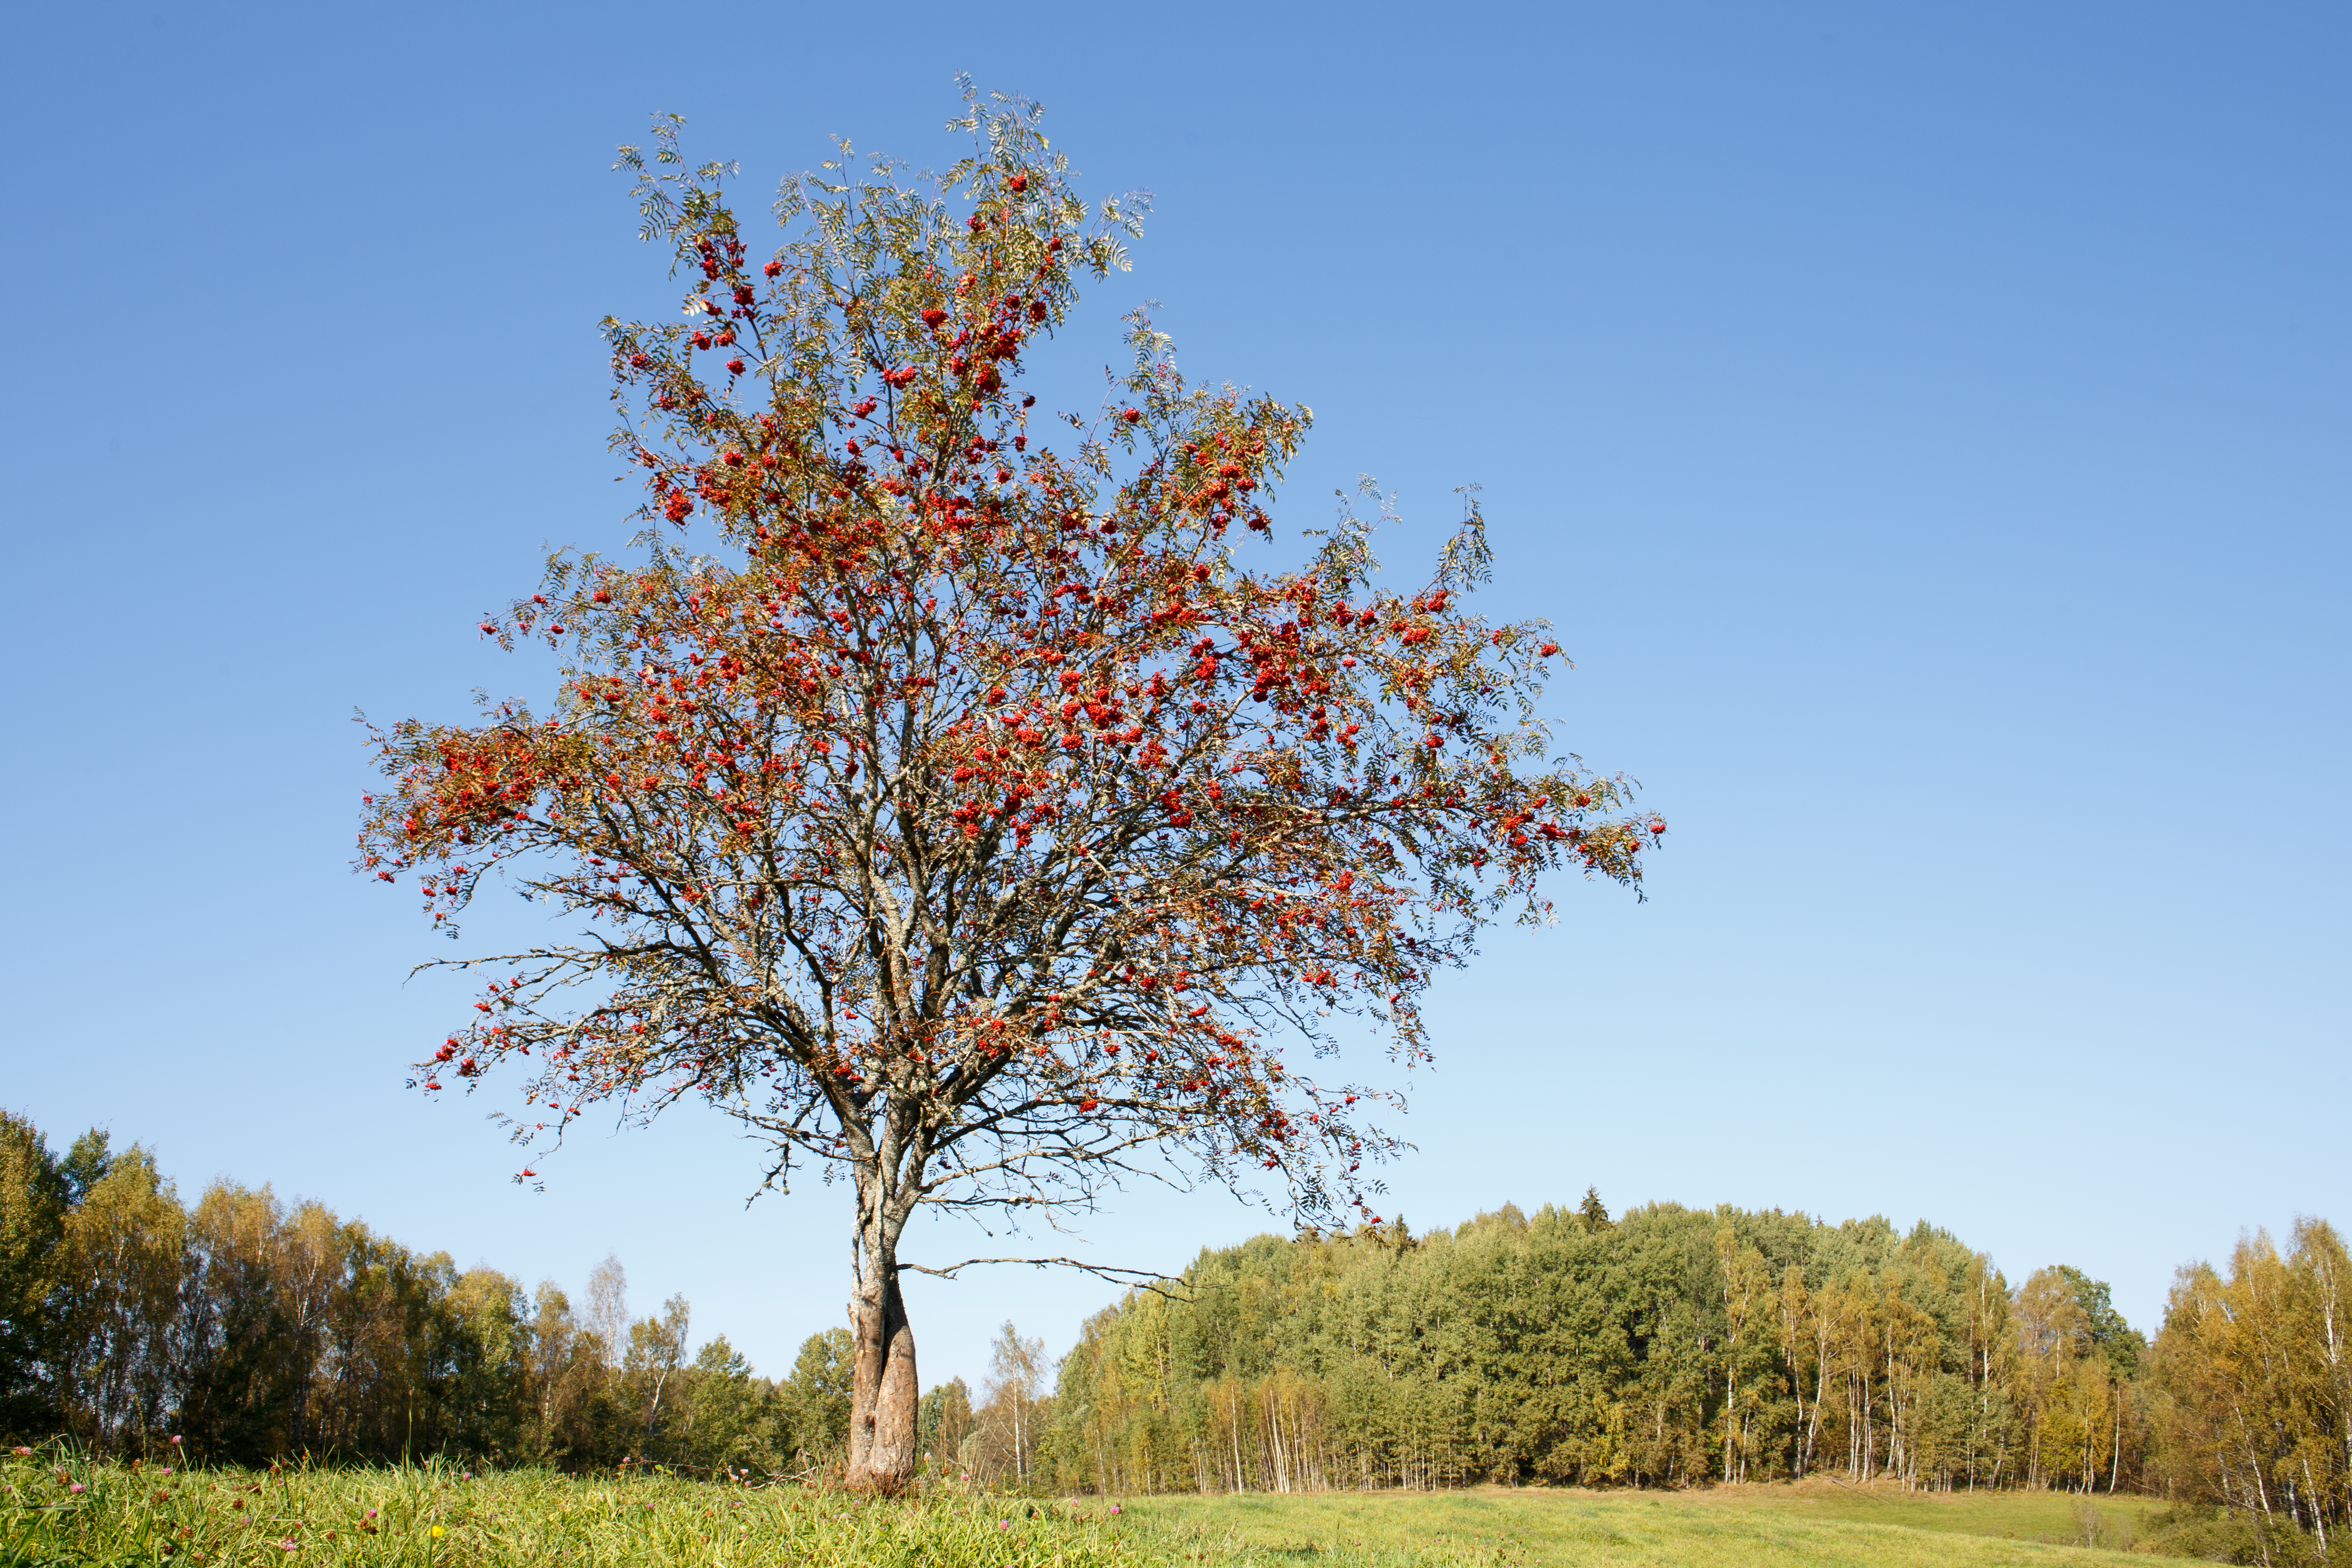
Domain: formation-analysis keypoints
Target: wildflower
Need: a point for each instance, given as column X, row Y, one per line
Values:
column 371, row 1513
column 175, row 1440
column 437, row 1532
column 77, row 1488
column 21, row 1453
column 166, row 1470
column 1114, row 1510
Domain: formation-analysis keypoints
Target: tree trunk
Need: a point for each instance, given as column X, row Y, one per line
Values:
column 884, row 1394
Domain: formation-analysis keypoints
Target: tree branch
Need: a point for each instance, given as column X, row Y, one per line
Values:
column 1135, row 1278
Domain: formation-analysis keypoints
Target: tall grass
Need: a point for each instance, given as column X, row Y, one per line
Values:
column 63, row 1508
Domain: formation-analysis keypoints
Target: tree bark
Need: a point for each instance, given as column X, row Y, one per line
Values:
column 884, row 1393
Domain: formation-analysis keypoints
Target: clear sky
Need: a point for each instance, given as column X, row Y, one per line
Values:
column 1927, row 425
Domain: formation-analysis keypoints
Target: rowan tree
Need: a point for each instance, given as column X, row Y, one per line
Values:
column 947, row 800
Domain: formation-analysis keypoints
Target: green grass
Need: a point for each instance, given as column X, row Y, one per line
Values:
column 434, row 1517
column 383, row 1518
column 1817, row 1526
column 2059, row 1517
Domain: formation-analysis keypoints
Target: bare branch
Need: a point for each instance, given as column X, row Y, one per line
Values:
column 1136, row 1278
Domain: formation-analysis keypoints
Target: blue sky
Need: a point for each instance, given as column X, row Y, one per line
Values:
column 1925, row 426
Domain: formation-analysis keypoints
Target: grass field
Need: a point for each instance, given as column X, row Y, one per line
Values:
column 432, row 1517
column 1815, row 1524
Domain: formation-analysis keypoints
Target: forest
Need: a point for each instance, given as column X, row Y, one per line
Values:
column 1668, row 1347
column 250, row 1330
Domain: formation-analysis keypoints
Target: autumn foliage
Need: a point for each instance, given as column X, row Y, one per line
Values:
column 940, row 791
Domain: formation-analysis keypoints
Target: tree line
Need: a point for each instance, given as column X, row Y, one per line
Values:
column 1669, row 1347
column 252, row 1330
column 1672, row 1347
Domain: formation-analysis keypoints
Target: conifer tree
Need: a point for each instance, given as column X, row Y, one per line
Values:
column 1592, row 1211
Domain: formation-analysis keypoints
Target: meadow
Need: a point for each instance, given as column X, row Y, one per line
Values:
column 1818, row 1524
column 58, row 1509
